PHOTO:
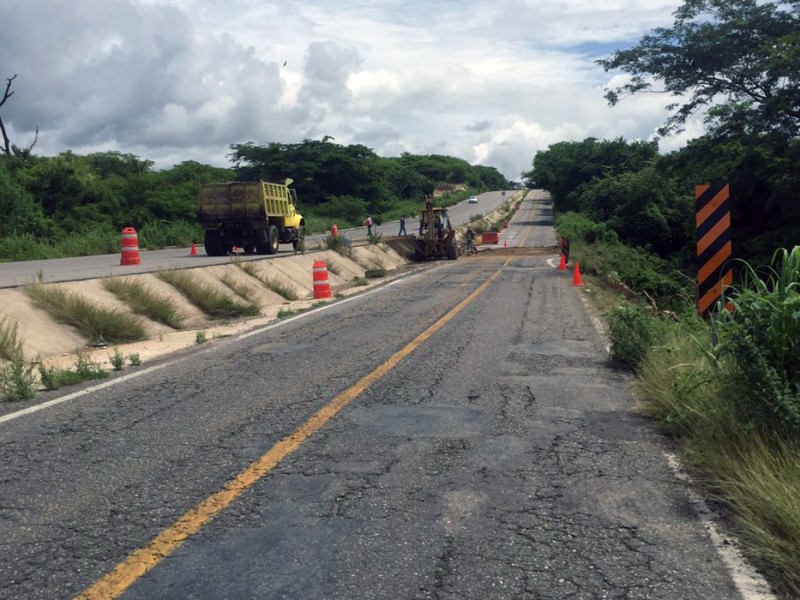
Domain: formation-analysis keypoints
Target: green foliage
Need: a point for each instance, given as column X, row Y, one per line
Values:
column 134, row 359
column 749, row 466
column 10, row 344
column 144, row 301
column 632, row 331
column 117, row 360
column 566, row 166
column 96, row 323
column 738, row 57
column 54, row 378
column 761, row 333
column 156, row 235
column 17, row 381
column 200, row 338
column 214, row 303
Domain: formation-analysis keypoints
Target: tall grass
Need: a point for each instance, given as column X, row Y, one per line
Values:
column 10, row 344
column 17, row 381
column 762, row 334
column 144, row 301
column 738, row 432
column 96, row 323
column 271, row 283
column 211, row 301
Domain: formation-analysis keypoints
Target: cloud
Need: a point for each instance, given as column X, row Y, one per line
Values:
column 174, row 80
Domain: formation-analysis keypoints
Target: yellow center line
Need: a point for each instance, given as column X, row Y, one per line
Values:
column 137, row 564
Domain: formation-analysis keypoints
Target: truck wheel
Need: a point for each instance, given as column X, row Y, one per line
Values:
column 272, row 240
column 213, row 243
column 301, row 235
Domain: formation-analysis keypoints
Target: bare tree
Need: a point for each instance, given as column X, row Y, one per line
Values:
column 7, row 145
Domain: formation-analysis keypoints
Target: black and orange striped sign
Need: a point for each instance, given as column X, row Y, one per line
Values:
column 713, row 243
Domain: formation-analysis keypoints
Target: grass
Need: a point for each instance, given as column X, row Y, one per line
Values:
column 271, row 283
column 754, row 470
column 240, row 289
column 211, row 301
column 96, row 323
column 145, row 302
column 10, row 344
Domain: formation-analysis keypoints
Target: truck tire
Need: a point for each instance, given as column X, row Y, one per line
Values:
column 212, row 241
column 272, row 240
column 301, row 235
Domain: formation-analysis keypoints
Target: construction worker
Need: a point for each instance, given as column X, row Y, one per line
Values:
column 470, row 235
column 368, row 223
column 402, row 225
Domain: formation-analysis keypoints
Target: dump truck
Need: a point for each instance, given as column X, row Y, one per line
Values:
column 436, row 238
column 256, row 216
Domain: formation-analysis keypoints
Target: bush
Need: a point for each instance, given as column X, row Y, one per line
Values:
column 761, row 333
column 632, row 333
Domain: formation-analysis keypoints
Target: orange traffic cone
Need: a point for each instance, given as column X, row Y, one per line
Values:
column 193, row 251
column 563, row 265
column 576, row 278
column 505, row 244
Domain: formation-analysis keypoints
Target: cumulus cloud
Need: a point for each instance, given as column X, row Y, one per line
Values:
column 174, row 80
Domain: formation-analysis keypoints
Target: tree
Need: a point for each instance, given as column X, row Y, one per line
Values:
column 739, row 59
column 8, row 147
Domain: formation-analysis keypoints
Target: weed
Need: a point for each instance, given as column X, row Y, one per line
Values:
column 134, row 359
column 117, row 360
column 200, row 338
column 145, row 302
column 17, row 381
column 98, row 324
column 10, row 344
column 360, row 281
column 374, row 238
column 285, row 312
column 54, row 378
column 632, row 333
column 212, row 302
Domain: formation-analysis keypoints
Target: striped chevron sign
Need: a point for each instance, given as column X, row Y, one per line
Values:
column 713, row 243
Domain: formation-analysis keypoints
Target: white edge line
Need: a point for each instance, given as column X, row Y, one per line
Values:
column 123, row 378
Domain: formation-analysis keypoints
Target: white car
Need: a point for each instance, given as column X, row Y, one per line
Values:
column 473, row 199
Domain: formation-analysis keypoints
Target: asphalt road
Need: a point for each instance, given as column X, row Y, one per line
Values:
column 16, row 273
column 491, row 452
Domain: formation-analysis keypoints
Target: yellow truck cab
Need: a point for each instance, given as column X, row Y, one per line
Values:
column 256, row 216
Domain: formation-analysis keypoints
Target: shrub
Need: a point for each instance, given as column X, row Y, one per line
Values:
column 761, row 333
column 17, row 381
column 632, row 332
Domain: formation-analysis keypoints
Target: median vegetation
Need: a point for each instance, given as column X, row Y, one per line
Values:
column 214, row 303
column 98, row 324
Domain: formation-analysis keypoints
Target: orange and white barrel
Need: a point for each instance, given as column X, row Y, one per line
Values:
column 130, row 247
column 322, row 288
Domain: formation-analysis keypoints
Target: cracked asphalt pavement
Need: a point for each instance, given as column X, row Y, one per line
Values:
column 503, row 458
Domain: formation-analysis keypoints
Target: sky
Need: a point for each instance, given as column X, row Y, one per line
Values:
column 491, row 82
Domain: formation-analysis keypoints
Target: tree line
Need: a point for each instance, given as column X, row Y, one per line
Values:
column 73, row 204
column 736, row 62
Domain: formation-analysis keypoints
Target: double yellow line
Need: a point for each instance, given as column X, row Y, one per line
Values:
column 165, row 543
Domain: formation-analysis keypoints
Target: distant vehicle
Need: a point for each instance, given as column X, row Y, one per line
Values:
column 473, row 199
